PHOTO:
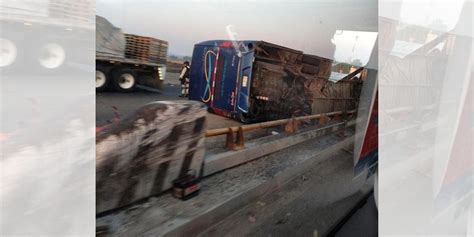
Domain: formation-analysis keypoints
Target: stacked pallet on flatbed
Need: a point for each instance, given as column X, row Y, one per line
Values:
column 145, row 48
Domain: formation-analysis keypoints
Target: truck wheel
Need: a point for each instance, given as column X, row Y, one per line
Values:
column 124, row 80
column 101, row 79
column 51, row 55
column 9, row 52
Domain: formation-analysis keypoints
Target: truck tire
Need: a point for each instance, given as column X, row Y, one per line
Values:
column 10, row 52
column 13, row 57
column 47, row 56
column 101, row 79
column 51, row 55
column 124, row 80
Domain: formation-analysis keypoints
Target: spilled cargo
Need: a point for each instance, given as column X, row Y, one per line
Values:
column 254, row 81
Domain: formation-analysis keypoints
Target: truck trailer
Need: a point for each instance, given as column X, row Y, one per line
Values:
column 254, row 81
column 43, row 34
column 125, row 60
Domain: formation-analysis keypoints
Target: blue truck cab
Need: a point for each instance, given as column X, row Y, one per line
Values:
column 221, row 74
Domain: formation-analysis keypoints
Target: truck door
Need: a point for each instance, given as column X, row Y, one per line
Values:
column 224, row 80
column 245, row 82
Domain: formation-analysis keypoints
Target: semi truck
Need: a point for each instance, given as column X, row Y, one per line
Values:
column 253, row 81
column 125, row 60
column 43, row 34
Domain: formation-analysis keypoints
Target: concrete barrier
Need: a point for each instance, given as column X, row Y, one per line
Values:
column 141, row 155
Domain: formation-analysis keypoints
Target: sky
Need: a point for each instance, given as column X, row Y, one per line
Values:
column 335, row 29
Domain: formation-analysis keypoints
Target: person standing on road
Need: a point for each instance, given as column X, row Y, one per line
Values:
column 184, row 78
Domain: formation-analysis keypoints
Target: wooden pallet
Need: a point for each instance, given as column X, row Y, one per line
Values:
column 145, row 48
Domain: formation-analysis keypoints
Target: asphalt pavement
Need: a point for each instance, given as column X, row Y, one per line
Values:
column 109, row 103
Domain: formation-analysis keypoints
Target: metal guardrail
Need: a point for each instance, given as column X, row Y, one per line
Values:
column 235, row 135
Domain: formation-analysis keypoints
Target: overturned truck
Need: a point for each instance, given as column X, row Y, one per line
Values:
column 254, row 81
